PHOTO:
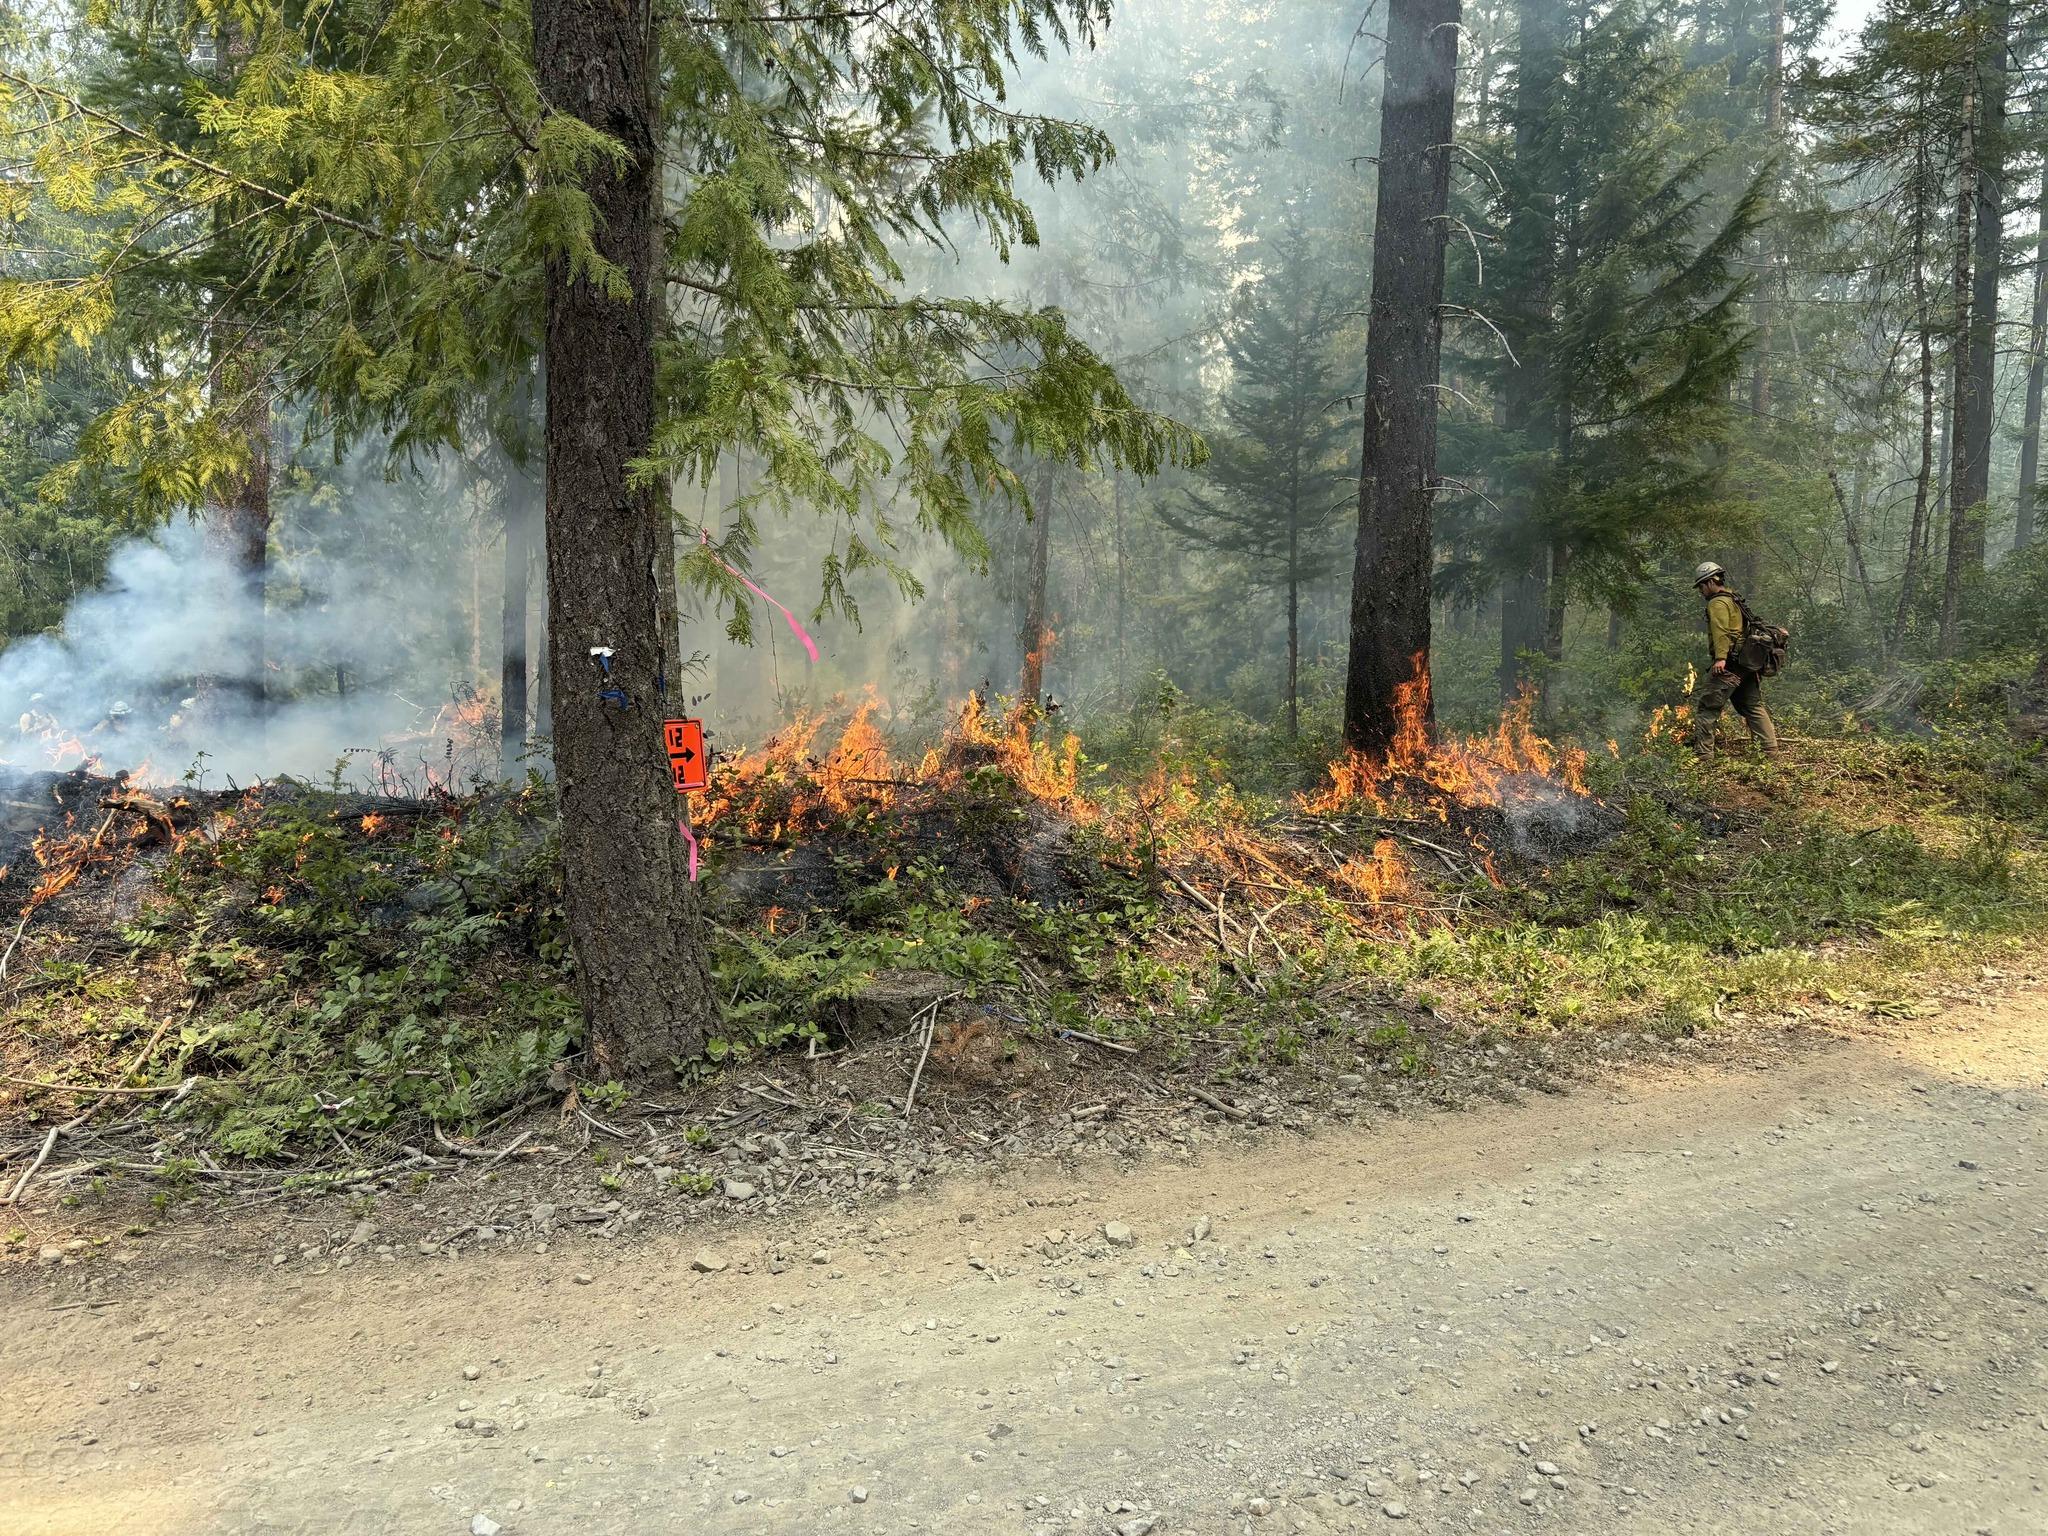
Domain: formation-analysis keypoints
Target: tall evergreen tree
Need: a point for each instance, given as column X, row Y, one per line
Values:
column 1268, row 498
column 1619, row 387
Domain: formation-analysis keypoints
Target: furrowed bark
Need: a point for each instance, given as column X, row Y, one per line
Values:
column 634, row 915
column 1390, row 582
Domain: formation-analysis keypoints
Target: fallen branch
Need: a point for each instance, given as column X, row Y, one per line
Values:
column 1085, row 1038
column 1213, row 1102
column 30, row 1082
column 49, row 1142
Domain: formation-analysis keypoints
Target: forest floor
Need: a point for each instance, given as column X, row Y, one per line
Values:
column 1767, row 1280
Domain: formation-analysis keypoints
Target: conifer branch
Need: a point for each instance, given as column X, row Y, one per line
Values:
column 288, row 202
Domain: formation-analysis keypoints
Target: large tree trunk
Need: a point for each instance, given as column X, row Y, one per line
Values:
column 634, row 915
column 2030, row 436
column 1391, row 574
column 1033, row 637
column 1960, row 506
column 512, row 625
column 1531, row 252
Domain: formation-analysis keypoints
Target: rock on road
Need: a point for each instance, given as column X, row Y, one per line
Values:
column 1810, row 1299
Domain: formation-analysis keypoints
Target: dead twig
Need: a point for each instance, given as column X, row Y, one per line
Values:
column 609, row 1130
column 49, row 1142
column 143, row 1056
column 508, row 1149
column 931, row 1022
column 18, row 929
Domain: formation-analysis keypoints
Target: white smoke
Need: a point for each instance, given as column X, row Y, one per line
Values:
column 1547, row 821
column 123, row 675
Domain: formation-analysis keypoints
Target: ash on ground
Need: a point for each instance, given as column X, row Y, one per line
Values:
column 1030, row 856
column 1546, row 821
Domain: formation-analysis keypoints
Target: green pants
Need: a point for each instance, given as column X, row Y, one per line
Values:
column 1745, row 690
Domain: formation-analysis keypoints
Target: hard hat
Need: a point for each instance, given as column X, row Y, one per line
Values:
column 120, row 708
column 1705, row 569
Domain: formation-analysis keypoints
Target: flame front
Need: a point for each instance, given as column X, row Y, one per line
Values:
column 1468, row 772
column 784, row 787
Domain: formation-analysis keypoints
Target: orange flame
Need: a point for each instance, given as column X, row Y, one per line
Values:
column 1465, row 772
column 1384, row 874
column 783, row 787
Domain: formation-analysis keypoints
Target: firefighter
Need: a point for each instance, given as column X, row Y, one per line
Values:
column 1727, row 683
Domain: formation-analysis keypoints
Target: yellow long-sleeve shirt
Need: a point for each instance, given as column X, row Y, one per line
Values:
column 1724, row 625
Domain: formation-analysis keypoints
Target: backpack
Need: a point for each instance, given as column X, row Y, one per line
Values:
column 1762, row 648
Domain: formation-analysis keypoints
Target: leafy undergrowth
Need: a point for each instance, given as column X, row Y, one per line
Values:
column 317, row 973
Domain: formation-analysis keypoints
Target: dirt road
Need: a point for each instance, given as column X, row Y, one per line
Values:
column 1813, row 1299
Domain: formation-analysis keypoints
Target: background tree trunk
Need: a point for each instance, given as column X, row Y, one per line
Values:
column 1554, row 606
column 634, row 915
column 1745, row 564
column 1960, row 506
column 1293, row 624
column 1854, row 538
column 1909, row 577
column 2030, row 435
column 1531, row 252
column 1032, row 637
column 1521, row 627
column 238, row 529
column 1985, row 164
column 1390, row 581
column 512, row 624
column 1123, row 681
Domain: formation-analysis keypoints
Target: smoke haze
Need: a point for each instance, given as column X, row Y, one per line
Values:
column 123, row 677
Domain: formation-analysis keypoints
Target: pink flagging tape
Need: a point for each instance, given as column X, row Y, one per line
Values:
column 810, row 646
column 689, row 837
